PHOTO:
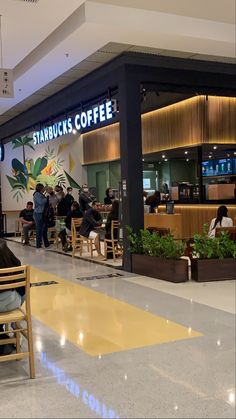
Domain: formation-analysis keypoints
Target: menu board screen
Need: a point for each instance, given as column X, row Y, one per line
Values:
column 218, row 167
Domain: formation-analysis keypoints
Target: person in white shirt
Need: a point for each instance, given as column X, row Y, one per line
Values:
column 222, row 220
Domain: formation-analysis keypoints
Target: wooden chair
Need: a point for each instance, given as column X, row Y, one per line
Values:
column 18, row 277
column 75, row 237
column 230, row 230
column 112, row 244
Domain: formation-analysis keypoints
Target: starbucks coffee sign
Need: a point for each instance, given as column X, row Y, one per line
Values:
column 82, row 120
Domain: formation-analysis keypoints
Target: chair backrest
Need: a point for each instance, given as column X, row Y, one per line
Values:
column 75, row 224
column 13, row 278
column 114, row 229
column 230, row 230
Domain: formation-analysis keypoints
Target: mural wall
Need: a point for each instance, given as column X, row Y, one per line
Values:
column 51, row 163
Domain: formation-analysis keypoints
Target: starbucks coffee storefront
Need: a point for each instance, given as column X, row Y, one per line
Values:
column 197, row 112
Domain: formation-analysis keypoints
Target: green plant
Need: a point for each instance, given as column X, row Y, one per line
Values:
column 219, row 247
column 145, row 242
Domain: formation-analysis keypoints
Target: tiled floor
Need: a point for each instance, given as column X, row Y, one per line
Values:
column 122, row 345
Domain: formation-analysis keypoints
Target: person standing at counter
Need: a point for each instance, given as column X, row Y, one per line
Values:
column 153, row 201
column 221, row 220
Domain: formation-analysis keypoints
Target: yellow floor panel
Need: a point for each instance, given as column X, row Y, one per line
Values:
column 98, row 324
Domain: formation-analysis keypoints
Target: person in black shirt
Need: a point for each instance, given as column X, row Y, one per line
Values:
column 62, row 206
column 69, row 197
column 27, row 221
column 9, row 299
column 109, row 198
column 91, row 220
column 85, row 198
column 75, row 212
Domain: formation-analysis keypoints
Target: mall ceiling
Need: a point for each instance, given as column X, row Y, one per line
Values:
column 51, row 43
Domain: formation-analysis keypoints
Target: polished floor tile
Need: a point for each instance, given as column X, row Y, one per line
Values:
column 99, row 324
column 185, row 378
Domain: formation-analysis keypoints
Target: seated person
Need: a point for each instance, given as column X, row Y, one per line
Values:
column 112, row 216
column 27, row 221
column 75, row 212
column 91, row 220
column 153, row 201
column 221, row 220
column 9, row 299
column 109, row 198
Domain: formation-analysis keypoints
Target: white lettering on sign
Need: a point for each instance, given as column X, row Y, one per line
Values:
column 85, row 119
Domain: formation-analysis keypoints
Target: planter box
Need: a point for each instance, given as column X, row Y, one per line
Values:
column 173, row 270
column 213, row 269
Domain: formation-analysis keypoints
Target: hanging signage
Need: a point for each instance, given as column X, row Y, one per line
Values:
column 82, row 120
column 6, row 83
column 2, row 154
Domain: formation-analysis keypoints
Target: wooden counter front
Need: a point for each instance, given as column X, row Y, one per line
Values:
column 171, row 221
column 194, row 216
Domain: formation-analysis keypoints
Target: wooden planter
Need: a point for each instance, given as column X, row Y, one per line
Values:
column 213, row 269
column 173, row 270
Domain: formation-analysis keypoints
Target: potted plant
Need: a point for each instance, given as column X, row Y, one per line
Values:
column 157, row 256
column 214, row 259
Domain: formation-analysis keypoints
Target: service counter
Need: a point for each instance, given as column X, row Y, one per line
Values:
column 171, row 221
column 194, row 216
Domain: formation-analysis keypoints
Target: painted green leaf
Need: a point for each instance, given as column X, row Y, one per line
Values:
column 18, row 166
column 22, row 141
column 72, row 182
column 12, row 181
column 39, row 165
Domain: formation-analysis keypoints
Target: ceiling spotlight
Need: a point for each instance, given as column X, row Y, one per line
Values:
column 210, row 156
column 142, row 159
column 166, row 160
column 215, row 147
column 235, row 153
column 74, row 131
column 186, row 152
column 187, row 159
column 163, row 156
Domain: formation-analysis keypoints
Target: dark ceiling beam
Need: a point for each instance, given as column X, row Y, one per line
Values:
column 169, row 74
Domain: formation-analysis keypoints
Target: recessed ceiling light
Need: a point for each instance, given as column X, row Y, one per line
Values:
column 210, row 157
column 74, row 131
column 187, row 159
column 166, row 159
column 163, row 156
column 186, row 152
column 142, row 159
column 215, row 147
column 234, row 152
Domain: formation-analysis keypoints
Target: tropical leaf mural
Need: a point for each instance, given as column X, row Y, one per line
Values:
column 49, row 169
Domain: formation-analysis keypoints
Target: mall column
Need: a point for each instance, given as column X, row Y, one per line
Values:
column 131, row 156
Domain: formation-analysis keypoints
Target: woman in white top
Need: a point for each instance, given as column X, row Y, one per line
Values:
column 222, row 220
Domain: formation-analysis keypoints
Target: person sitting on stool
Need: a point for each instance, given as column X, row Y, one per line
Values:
column 27, row 220
column 92, row 219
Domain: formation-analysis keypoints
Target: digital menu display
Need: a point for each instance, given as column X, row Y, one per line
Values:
column 219, row 167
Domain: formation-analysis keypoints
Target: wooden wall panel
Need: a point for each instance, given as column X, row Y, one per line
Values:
column 221, row 120
column 177, row 125
column 102, row 144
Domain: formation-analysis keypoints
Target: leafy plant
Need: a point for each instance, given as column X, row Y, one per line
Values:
column 213, row 248
column 153, row 244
